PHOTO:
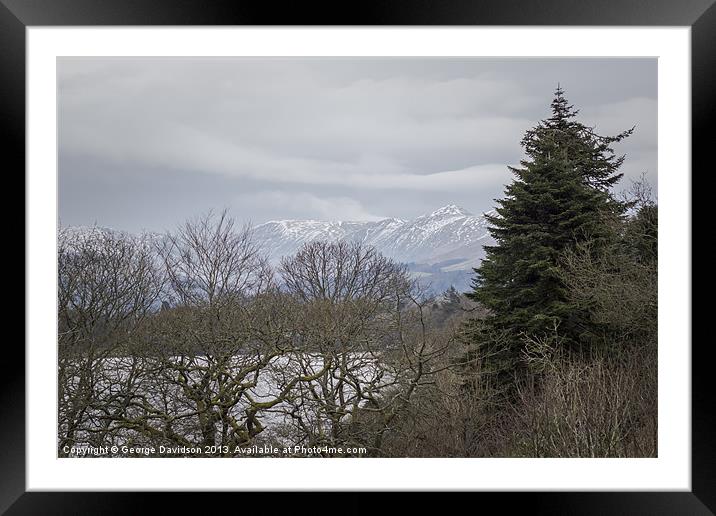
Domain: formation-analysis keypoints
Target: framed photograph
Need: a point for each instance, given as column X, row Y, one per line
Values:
column 429, row 248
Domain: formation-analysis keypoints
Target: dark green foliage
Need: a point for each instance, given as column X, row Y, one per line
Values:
column 559, row 197
column 589, row 153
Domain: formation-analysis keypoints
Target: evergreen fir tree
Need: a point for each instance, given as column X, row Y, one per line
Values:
column 560, row 195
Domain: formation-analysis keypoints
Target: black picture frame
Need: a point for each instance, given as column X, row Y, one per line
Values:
column 16, row 15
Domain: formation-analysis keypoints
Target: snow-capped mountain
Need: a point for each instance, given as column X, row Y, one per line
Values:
column 78, row 235
column 442, row 246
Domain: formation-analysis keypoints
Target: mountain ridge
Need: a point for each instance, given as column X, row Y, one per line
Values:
column 440, row 248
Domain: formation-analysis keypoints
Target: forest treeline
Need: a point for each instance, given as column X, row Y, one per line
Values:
column 193, row 341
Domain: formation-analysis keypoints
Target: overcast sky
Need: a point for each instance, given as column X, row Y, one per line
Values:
column 145, row 143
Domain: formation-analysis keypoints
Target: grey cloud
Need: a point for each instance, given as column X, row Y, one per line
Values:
column 319, row 138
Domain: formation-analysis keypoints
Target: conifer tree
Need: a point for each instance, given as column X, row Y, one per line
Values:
column 560, row 195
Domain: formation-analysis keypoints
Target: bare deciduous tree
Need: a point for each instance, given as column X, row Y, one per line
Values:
column 107, row 285
column 363, row 325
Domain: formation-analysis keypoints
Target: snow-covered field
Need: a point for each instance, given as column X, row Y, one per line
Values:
column 165, row 394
